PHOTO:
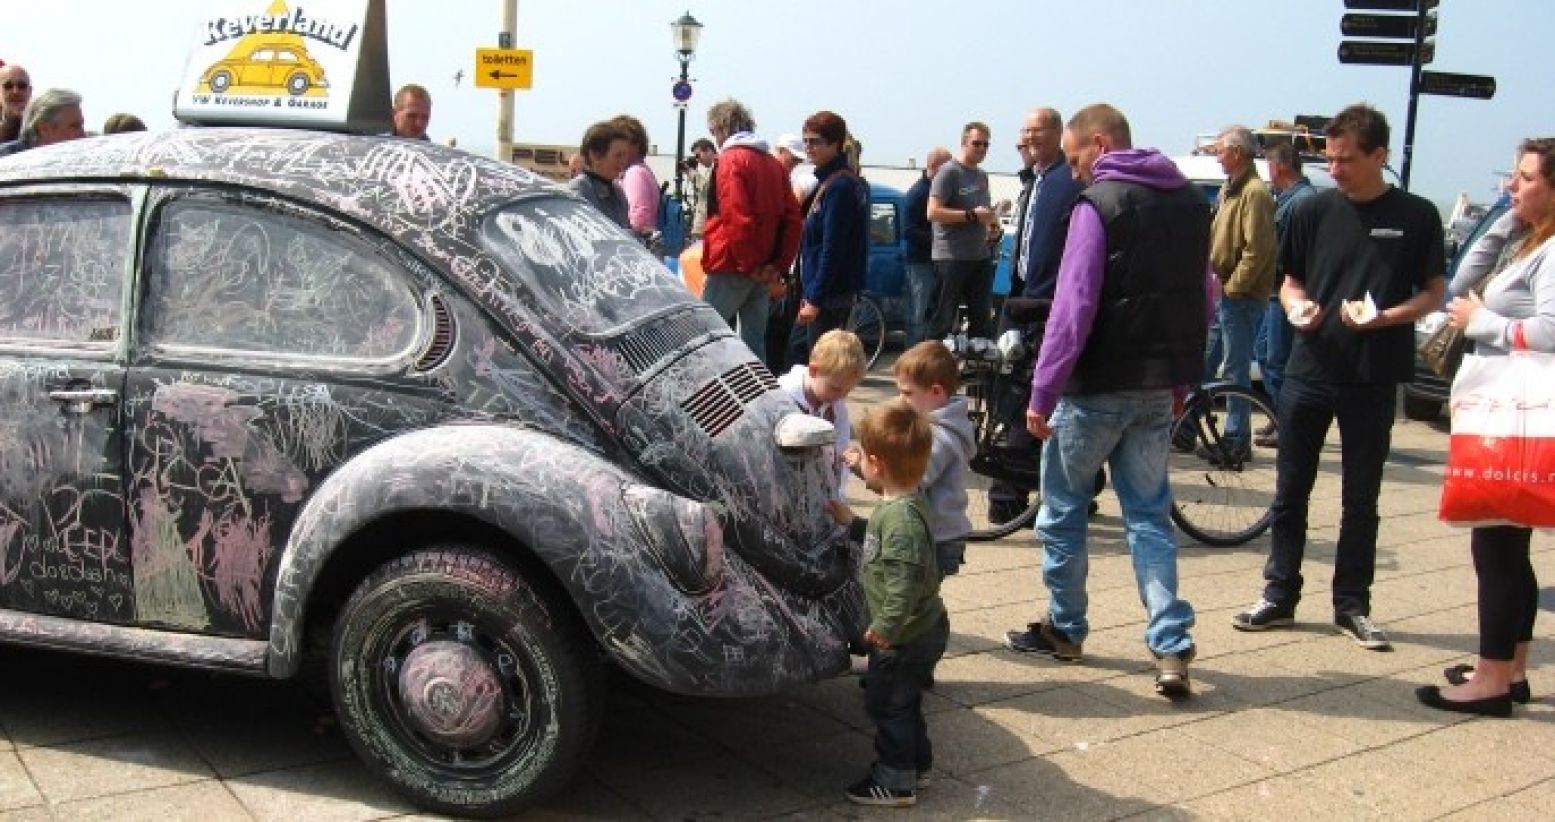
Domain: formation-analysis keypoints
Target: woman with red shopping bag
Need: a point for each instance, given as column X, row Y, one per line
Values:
column 1501, row 465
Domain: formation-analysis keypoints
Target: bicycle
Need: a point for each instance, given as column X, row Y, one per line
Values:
column 1222, row 492
column 868, row 322
column 989, row 373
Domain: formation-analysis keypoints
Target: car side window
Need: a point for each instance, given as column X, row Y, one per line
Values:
column 882, row 224
column 62, row 271
column 248, row 279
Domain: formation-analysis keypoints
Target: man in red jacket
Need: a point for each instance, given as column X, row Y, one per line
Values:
column 753, row 224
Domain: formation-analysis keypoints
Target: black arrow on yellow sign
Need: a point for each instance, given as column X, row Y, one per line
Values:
column 498, row 75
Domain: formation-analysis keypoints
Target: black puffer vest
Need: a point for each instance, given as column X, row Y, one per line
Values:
column 1151, row 323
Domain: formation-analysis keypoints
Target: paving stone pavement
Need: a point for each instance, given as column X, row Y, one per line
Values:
column 1290, row 724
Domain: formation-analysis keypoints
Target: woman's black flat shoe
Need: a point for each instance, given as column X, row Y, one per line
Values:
column 1459, row 674
column 1497, row 706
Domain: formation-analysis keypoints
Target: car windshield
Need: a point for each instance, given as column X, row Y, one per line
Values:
column 582, row 271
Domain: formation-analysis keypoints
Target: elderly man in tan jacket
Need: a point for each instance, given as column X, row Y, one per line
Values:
column 1242, row 253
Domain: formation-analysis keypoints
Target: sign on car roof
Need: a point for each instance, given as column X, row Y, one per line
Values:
column 270, row 62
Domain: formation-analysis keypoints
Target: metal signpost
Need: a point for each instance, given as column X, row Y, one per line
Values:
column 1409, row 46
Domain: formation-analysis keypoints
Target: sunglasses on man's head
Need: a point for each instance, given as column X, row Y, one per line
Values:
column 15, row 84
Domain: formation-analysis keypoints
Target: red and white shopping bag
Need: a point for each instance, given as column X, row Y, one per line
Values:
column 1501, row 456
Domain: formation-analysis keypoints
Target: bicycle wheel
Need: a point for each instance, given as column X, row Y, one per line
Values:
column 992, row 465
column 868, row 322
column 1222, row 492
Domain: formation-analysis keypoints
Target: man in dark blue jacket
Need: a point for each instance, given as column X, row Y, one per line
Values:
column 1053, row 194
column 922, row 284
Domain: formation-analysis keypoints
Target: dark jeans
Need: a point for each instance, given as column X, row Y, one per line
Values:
column 1365, row 416
column 780, row 325
column 893, row 698
column 1508, row 589
column 834, row 314
column 963, row 281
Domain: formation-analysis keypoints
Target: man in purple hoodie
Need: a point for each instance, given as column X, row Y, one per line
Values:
column 1127, row 329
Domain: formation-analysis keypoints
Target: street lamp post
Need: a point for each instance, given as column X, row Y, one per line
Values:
column 686, row 32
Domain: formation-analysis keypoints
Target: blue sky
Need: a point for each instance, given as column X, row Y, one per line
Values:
column 905, row 73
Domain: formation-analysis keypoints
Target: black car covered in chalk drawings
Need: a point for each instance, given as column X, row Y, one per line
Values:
column 272, row 396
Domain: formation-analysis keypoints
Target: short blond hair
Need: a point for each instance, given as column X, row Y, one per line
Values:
column 900, row 437
column 839, row 353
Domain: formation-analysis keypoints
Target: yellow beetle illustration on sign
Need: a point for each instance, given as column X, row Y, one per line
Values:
column 261, row 63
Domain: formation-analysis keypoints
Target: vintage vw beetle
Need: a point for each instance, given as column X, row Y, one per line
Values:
column 272, row 396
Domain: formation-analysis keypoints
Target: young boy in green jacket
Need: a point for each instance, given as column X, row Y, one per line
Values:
column 908, row 626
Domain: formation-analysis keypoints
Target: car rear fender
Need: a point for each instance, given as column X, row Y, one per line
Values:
column 613, row 542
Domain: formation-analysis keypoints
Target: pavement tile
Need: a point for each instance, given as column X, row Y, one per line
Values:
column 331, row 792
column 819, row 767
column 1487, row 763
column 627, row 740
column 1399, row 787
column 1172, row 765
column 121, row 764
column 1271, row 738
column 970, row 741
column 1258, row 677
column 1371, row 721
column 1290, row 797
column 1060, row 787
column 36, row 813
column 708, row 788
column 56, row 709
column 980, row 678
column 206, row 801
column 733, row 723
column 16, row 787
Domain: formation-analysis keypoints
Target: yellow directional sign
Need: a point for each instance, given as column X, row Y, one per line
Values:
column 504, row 68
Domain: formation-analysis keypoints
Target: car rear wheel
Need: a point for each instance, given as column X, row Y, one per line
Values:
column 220, row 82
column 298, row 84
column 458, row 682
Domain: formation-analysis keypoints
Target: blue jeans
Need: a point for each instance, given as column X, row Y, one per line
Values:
column 743, row 303
column 1127, row 430
column 1365, row 417
column 893, row 698
column 1238, row 318
column 922, row 296
column 1277, row 336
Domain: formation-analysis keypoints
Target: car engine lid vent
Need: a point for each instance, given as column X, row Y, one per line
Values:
column 721, row 402
column 747, row 383
column 442, row 343
column 648, row 346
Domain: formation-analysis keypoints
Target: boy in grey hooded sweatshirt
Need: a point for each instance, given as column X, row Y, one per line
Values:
column 927, row 377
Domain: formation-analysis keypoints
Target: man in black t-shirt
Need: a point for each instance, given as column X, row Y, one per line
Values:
column 1361, row 264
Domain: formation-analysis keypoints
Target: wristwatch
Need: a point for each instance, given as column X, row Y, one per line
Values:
column 971, row 216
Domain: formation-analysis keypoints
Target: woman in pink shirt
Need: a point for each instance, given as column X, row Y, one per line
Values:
column 642, row 188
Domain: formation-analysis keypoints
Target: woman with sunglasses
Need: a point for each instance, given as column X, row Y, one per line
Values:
column 834, row 247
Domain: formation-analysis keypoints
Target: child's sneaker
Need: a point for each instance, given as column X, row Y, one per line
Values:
column 867, row 791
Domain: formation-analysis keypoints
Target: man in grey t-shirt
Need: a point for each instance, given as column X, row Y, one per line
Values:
column 964, row 224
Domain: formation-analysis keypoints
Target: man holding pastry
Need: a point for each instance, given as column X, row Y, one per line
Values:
column 1362, row 262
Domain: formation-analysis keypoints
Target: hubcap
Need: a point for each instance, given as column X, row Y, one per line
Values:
column 451, row 694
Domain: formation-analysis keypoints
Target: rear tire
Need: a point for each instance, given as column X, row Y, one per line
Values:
column 458, row 682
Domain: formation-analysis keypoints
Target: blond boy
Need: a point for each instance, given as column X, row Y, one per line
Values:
column 821, row 387
column 927, row 377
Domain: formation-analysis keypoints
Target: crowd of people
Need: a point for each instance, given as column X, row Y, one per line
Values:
column 1149, row 289
column 54, row 115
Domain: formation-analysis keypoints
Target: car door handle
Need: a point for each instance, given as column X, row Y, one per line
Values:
column 83, row 400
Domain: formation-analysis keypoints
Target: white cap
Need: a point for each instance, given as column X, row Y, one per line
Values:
column 792, row 143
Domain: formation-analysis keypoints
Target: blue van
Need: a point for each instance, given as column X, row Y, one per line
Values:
column 886, row 282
